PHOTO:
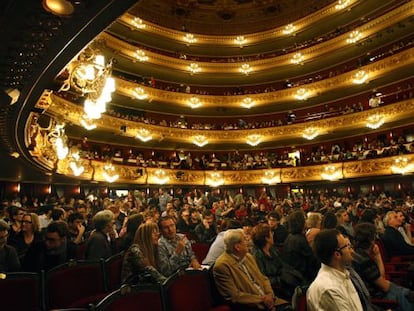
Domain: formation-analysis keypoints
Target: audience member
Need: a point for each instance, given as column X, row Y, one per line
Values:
column 313, row 224
column 394, row 242
column 206, row 231
column 174, row 249
column 238, row 278
column 279, row 230
column 127, row 238
column 368, row 263
column 100, row 243
column 54, row 250
column 9, row 262
column 76, row 228
column 333, row 289
column 140, row 260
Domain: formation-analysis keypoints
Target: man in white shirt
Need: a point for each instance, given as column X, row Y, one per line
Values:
column 333, row 289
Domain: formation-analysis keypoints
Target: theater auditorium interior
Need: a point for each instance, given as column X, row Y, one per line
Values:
column 290, row 98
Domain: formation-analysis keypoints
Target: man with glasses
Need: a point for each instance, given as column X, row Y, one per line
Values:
column 9, row 262
column 333, row 289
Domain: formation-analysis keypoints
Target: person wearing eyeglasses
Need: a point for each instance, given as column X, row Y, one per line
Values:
column 332, row 288
column 9, row 262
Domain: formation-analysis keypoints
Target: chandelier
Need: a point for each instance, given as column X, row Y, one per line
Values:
column 90, row 76
column 247, row 103
column 140, row 55
column 254, row 139
column 189, row 38
column 354, row 37
column 375, row 121
column 310, row 133
column 246, row 69
column 297, row 58
column 342, row 4
column 270, row 177
column 144, row 135
column 289, row 29
column 302, row 94
column 161, row 177
column 402, row 166
column 331, row 173
column 138, row 23
column 215, row 179
column 194, row 103
column 200, row 140
column 360, row 77
column 140, row 93
column 240, row 40
column 109, row 173
column 194, row 68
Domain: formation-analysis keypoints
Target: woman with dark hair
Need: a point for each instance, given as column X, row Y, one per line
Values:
column 131, row 226
column 140, row 261
column 329, row 221
column 367, row 262
column 281, row 276
column 296, row 250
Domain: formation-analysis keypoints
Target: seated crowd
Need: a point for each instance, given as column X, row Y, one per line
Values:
column 259, row 250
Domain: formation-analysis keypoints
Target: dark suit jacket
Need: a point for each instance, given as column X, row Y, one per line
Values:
column 235, row 286
column 395, row 244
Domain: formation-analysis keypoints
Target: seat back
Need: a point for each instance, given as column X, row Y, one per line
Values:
column 200, row 250
column 75, row 284
column 113, row 270
column 126, row 298
column 22, row 291
column 299, row 299
column 190, row 290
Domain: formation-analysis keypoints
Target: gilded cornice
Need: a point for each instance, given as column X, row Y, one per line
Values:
column 374, row 71
column 62, row 108
column 130, row 174
column 128, row 50
column 253, row 38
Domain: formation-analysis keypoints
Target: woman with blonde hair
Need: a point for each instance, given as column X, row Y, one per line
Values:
column 29, row 234
column 313, row 223
column 140, row 261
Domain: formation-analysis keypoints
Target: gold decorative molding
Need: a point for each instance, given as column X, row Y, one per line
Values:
column 129, row 174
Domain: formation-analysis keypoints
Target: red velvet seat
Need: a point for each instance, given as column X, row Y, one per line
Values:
column 22, row 291
column 126, row 298
column 191, row 290
column 75, row 284
column 113, row 270
column 200, row 250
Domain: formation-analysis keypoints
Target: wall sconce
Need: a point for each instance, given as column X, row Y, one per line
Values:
column 109, row 173
column 289, row 28
column 58, row 139
column 360, row 77
column 194, row 68
column 160, row 177
column 302, row 94
column 87, row 123
column 140, row 55
column 138, row 23
column 200, row 140
column 402, row 166
column 215, row 179
column 194, row 103
column 271, row 178
column 375, row 121
column 144, row 135
column 76, row 165
column 254, row 139
column 246, row 69
column 247, row 103
column 331, row 173
column 140, row 93
column 297, row 58
column 354, row 37
column 189, row 38
column 240, row 40
column 310, row 133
